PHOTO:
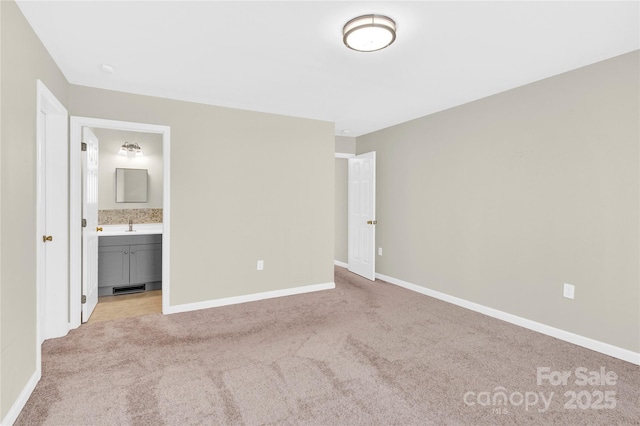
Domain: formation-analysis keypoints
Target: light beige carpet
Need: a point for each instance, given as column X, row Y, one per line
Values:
column 364, row 353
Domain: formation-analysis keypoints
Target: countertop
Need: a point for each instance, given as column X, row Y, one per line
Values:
column 138, row 229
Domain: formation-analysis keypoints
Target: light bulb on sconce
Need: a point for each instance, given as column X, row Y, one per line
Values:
column 130, row 148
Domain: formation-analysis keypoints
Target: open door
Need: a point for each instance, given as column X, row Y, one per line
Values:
column 90, row 231
column 52, row 226
column 362, row 215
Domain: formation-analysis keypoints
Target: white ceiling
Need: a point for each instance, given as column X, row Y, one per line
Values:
column 288, row 58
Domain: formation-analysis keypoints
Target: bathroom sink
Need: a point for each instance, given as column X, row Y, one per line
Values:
column 123, row 229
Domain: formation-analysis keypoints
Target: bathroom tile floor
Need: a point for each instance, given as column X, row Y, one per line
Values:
column 127, row 306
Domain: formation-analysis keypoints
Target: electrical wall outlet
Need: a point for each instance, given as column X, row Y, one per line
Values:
column 569, row 291
column 379, row 251
column 260, row 265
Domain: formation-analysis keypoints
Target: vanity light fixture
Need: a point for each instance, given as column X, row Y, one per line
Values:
column 132, row 148
column 369, row 33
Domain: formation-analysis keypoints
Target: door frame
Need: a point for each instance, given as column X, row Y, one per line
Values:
column 75, row 205
column 56, row 131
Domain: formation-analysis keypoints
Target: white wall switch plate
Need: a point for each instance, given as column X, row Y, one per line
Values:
column 569, row 291
column 379, row 251
column 260, row 265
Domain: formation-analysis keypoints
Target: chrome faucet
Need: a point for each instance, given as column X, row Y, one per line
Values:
column 130, row 225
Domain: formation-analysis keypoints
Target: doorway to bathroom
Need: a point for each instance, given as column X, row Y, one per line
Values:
column 132, row 228
column 127, row 306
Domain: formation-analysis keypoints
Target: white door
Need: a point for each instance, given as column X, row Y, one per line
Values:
column 362, row 215
column 42, row 225
column 89, row 232
column 52, row 216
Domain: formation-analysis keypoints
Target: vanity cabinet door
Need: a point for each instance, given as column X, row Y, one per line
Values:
column 113, row 266
column 146, row 263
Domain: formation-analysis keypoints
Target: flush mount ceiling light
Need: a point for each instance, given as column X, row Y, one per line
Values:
column 369, row 33
column 132, row 148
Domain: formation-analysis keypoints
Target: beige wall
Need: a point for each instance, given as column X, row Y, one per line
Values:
column 341, row 217
column 245, row 186
column 24, row 60
column 343, row 145
column 502, row 200
column 109, row 159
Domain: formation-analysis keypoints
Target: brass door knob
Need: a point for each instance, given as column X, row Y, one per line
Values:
column 46, row 238
column 372, row 222
column 99, row 228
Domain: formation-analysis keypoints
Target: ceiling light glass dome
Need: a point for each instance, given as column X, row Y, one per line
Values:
column 369, row 33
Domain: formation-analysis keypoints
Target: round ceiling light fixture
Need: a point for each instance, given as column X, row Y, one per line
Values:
column 369, row 33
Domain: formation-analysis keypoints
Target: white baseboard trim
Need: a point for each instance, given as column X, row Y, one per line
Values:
column 19, row 404
column 187, row 307
column 342, row 264
column 576, row 339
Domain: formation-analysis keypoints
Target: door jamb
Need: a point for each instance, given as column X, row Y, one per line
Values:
column 75, row 205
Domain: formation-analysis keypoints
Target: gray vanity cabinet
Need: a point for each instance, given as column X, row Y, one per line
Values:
column 129, row 263
column 113, row 265
column 145, row 263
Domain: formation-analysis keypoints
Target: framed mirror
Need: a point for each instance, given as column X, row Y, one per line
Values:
column 131, row 185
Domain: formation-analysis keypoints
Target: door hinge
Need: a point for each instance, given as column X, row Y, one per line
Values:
column 84, row 299
column 84, row 223
column 83, row 147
